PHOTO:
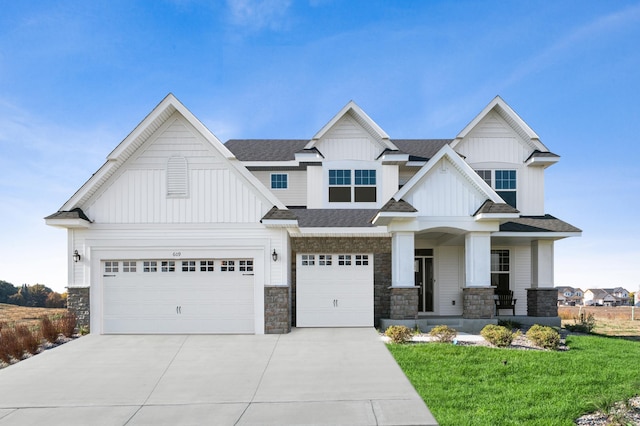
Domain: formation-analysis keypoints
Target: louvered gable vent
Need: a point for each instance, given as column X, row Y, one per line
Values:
column 177, row 177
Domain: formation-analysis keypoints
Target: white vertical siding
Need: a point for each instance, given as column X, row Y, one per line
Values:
column 449, row 279
column 444, row 191
column 347, row 140
column 316, row 191
column 520, row 276
column 389, row 182
column 295, row 195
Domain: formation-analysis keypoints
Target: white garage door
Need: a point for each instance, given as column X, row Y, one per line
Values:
column 334, row 290
column 178, row 296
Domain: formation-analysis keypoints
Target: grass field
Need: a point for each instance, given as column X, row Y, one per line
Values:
column 30, row 317
column 472, row 385
column 610, row 321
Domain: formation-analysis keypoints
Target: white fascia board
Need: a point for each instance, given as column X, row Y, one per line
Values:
column 496, row 216
column 352, row 106
column 329, row 232
column 393, row 158
column 385, row 218
column 415, row 163
column 460, row 164
column 538, row 235
column 308, row 157
column 68, row 223
column 275, row 223
column 542, row 161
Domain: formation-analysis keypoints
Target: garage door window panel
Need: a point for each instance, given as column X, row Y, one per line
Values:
column 168, row 266
column 344, row 260
column 228, row 266
column 110, row 267
column 188, row 266
column 207, row 266
column 150, row 266
column 245, row 265
column 129, row 266
column 308, row 260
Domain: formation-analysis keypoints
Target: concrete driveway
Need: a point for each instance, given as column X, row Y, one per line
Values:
column 310, row 376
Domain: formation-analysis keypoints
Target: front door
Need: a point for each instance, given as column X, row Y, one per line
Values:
column 424, row 280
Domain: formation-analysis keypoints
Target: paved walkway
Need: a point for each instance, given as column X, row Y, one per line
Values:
column 310, row 376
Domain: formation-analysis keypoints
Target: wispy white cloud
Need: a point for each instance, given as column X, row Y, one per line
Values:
column 256, row 15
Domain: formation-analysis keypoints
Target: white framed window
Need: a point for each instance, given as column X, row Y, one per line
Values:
column 207, row 266
column 245, row 265
column 308, row 259
column 150, row 266
column 500, row 270
column 324, row 260
column 168, row 266
column 188, row 266
column 279, row 181
column 111, row 266
column 362, row 189
column 228, row 266
column 344, row 260
column 129, row 266
column 362, row 259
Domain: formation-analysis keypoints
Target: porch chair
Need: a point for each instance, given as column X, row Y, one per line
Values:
column 505, row 300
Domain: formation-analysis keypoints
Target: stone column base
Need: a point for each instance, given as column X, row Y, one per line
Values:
column 478, row 302
column 404, row 303
column 542, row 302
column 79, row 304
column 277, row 316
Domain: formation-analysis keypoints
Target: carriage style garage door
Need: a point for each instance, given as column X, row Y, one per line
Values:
column 334, row 290
column 178, row 296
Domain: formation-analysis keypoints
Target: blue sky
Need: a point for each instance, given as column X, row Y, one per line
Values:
column 77, row 77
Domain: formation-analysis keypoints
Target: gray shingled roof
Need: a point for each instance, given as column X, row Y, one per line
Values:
column 76, row 213
column 265, row 149
column 285, row 149
column 398, row 206
column 491, row 207
column 277, row 214
column 541, row 154
column 339, row 218
column 422, row 148
column 546, row 223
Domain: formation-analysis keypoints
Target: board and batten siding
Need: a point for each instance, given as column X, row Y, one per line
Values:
column 347, row 140
column 215, row 193
column 520, row 277
column 494, row 145
column 295, row 194
column 444, row 191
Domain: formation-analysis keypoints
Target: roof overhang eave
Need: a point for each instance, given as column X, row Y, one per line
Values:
column 68, row 223
column 278, row 223
column 538, row 235
column 484, row 217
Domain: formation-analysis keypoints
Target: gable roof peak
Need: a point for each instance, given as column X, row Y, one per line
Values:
column 361, row 117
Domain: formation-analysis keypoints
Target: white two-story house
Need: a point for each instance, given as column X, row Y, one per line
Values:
column 180, row 233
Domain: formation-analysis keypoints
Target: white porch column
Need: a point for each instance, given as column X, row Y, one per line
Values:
column 477, row 250
column 402, row 259
column 542, row 264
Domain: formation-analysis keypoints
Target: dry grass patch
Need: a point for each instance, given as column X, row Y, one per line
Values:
column 22, row 315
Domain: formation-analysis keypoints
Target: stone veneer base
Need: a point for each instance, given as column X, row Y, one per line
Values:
column 542, row 302
column 79, row 303
column 478, row 302
column 277, row 317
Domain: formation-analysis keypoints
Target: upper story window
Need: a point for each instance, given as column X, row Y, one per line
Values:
column 343, row 190
column 504, row 182
column 279, row 181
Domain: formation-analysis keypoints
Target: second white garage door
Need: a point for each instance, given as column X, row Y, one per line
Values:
column 334, row 290
column 178, row 296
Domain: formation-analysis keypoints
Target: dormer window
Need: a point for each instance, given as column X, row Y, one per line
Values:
column 503, row 182
column 342, row 189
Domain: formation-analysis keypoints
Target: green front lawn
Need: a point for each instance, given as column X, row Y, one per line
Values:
column 473, row 385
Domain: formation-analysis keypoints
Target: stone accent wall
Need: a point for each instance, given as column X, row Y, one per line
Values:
column 478, row 302
column 542, row 302
column 78, row 303
column 379, row 246
column 277, row 318
column 404, row 303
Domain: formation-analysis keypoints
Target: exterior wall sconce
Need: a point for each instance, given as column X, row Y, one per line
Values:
column 76, row 256
column 274, row 255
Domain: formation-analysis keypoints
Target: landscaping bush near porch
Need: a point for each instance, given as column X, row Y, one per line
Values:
column 473, row 385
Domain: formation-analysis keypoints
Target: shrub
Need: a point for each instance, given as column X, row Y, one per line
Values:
column 583, row 323
column 66, row 324
column 398, row 333
column 10, row 345
column 29, row 339
column 443, row 333
column 48, row 330
column 498, row 335
column 543, row 336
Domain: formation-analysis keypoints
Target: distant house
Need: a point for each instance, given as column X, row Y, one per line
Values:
column 569, row 296
column 617, row 296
